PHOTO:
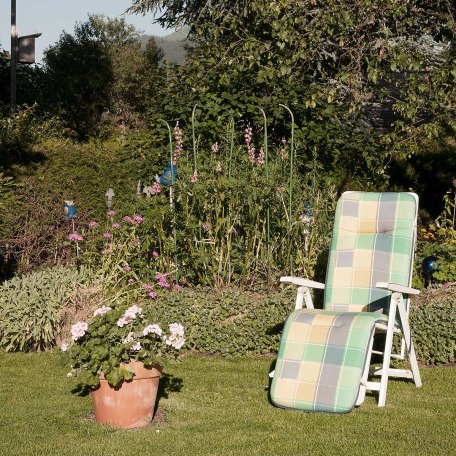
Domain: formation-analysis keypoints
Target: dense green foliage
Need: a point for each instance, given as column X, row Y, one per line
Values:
column 30, row 307
column 100, row 75
column 227, row 322
column 433, row 319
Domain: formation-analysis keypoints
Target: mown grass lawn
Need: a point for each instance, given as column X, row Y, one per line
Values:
column 215, row 406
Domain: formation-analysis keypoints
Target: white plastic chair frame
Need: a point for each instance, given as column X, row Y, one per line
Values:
column 397, row 303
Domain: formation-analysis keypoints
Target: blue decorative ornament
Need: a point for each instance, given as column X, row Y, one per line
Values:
column 428, row 266
column 170, row 175
column 308, row 210
column 306, row 215
column 70, row 209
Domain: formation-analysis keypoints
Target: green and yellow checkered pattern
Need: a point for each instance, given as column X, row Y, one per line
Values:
column 320, row 360
column 373, row 241
column 323, row 352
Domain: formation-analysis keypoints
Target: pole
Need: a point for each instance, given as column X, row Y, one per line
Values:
column 14, row 52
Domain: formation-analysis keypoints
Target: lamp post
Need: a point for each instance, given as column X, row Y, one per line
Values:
column 14, row 50
column 22, row 51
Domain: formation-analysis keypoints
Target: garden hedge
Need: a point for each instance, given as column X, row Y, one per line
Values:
column 228, row 322
column 232, row 322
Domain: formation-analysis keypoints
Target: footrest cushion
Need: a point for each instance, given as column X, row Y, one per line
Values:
column 321, row 359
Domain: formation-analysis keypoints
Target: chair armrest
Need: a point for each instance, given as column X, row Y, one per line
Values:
column 302, row 282
column 397, row 288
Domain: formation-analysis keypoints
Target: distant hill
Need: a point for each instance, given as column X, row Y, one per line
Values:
column 172, row 44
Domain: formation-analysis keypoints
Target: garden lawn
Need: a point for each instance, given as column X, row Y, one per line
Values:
column 214, row 406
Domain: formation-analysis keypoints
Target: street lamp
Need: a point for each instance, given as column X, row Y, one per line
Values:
column 22, row 51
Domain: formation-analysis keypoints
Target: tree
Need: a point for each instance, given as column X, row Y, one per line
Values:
column 184, row 12
column 368, row 80
column 100, row 72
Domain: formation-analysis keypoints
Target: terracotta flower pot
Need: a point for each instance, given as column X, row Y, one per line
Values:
column 132, row 404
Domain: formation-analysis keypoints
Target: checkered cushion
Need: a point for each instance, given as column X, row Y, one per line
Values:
column 321, row 359
column 373, row 241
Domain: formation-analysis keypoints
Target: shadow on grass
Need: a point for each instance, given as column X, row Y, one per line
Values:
column 168, row 384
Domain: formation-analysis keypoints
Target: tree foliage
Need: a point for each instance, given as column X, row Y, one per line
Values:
column 99, row 73
column 367, row 80
column 183, row 12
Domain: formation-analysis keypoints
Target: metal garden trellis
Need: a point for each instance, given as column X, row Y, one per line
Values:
column 171, row 199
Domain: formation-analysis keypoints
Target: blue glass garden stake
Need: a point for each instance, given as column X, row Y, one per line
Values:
column 173, row 178
column 70, row 209
column 70, row 213
column 429, row 266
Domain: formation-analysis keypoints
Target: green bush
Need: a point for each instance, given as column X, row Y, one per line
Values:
column 30, row 307
column 229, row 322
column 233, row 322
column 433, row 322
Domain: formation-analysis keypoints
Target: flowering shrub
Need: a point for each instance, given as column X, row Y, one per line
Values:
column 113, row 250
column 115, row 335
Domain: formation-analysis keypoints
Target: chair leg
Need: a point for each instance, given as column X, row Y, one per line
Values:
column 387, row 351
column 364, row 377
column 407, row 336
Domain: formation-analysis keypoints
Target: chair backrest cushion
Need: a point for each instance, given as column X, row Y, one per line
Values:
column 373, row 241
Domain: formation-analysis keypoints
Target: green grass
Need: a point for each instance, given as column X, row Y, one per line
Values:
column 219, row 407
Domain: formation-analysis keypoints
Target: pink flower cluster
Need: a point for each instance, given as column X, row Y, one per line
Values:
column 107, row 235
column 130, row 338
column 261, row 158
column 194, row 178
column 248, row 135
column 78, row 330
column 178, row 138
column 116, row 226
column 156, row 188
column 75, row 237
column 205, row 227
column 218, row 167
column 111, row 213
column 101, row 310
column 215, row 147
column 149, row 290
column 176, row 339
column 162, row 282
column 152, row 329
column 93, row 224
column 130, row 314
column 133, row 220
column 127, row 268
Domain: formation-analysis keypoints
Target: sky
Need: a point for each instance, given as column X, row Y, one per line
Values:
column 51, row 17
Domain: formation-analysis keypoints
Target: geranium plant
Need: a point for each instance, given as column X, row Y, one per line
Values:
column 114, row 336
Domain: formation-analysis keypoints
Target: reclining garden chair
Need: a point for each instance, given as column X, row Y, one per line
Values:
column 324, row 356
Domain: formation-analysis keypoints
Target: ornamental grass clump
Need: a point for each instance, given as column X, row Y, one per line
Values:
column 114, row 336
